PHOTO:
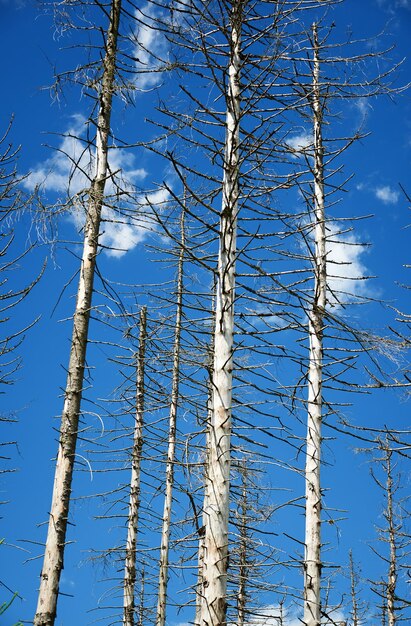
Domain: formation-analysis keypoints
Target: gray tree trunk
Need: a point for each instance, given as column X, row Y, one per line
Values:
column 243, row 548
column 392, row 539
column 56, row 535
column 217, row 480
column 312, row 559
column 134, row 502
column 165, row 534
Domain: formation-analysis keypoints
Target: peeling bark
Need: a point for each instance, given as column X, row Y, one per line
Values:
column 217, row 480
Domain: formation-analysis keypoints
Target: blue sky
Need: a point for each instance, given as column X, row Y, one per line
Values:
column 30, row 50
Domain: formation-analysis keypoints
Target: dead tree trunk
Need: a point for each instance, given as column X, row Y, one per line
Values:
column 355, row 619
column 201, row 531
column 165, row 535
column 243, row 548
column 217, row 480
column 312, row 558
column 134, row 503
column 56, row 535
column 392, row 528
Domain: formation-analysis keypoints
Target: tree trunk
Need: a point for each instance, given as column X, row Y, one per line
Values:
column 201, row 531
column 165, row 535
column 354, row 601
column 134, row 503
column 56, row 535
column 392, row 531
column 217, row 485
column 243, row 547
column 312, row 560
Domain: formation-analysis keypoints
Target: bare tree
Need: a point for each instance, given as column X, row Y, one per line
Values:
column 172, row 431
column 394, row 533
column 56, row 535
column 312, row 559
column 217, row 485
column 12, row 204
column 320, row 84
column 135, row 480
column 358, row 609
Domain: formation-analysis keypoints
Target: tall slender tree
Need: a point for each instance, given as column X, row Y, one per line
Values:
column 172, row 433
column 217, row 479
column 395, row 605
column 59, row 510
column 312, row 558
column 135, row 481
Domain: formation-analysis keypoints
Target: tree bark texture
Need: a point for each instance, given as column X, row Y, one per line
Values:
column 244, row 564
column 201, row 531
column 312, row 558
column 135, row 480
column 217, row 480
column 392, row 532
column 56, row 535
column 165, row 533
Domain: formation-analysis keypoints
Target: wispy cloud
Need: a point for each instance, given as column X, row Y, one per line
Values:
column 69, row 172
column 363, row 106
column 387, row 194
column 392, row 5
column 151, row 48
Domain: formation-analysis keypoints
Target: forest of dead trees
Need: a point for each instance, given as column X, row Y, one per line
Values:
column 230, row 372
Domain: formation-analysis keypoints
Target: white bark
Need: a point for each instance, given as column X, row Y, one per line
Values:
column 165, row 534
column 312, row 560
column 217, row 484
column 56, row 535
column 134, row 501
column 201, row 531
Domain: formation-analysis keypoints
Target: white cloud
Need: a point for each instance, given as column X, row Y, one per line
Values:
column 363, row 106
column 69, row 172
column 71, row 167
column 151, row 48
column 300, row 143
column 345, row 269
column 122, row 235
column 387, row 195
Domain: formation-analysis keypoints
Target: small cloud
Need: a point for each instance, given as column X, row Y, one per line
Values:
column 363, row 106
column 345, row 269
column 66, row 581
column 300, row 143
column 387, row 195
